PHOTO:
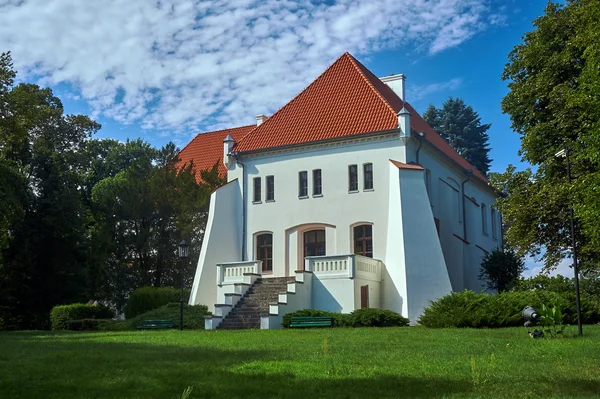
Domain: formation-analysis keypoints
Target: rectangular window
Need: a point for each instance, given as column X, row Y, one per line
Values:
column 368, row 176
column 494, row 234
column 257, row 189
column 303, row 184
column 317, row 188
column 484, row 219
column 352, row 178
column 270, row 188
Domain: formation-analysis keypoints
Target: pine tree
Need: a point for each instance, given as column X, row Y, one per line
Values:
column 461, row 127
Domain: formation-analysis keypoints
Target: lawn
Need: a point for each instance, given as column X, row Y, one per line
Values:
column 323, row 363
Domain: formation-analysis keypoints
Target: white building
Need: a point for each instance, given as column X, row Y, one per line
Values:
column 350, row 194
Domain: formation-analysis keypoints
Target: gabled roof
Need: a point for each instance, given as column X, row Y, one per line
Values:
column 345, row 100
column 206, row 149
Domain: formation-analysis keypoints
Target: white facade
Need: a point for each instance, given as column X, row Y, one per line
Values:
column 427, row 234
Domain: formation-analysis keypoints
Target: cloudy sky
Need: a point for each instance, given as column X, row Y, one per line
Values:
column 165, row 70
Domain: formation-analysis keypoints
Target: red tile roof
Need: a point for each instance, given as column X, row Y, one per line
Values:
column 402, row 165
column 207, row 148
column 347, row 99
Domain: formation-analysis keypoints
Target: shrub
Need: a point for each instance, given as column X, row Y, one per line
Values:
column 370, row 317
column 77, row 311
column 339, row 319
column 81, row 325
column 145, row 299
column 470, row 309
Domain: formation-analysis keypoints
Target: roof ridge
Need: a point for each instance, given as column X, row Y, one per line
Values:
column 354, row 62
column 295, row 97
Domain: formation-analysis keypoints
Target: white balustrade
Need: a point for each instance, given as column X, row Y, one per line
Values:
column 347, row 266
column 368, row 268
column 233, row 272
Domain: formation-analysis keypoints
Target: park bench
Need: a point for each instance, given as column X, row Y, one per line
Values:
column 311, row 321
column 156, row 324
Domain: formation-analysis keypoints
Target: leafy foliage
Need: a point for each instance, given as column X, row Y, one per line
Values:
column 145, row 299
column 86, row 219
column 370, row 317
column 82, row 325
column 77, row 311
column 501, row 269
column 479, row 310
column 554, row 103
column 461, row 127
column 551, row 320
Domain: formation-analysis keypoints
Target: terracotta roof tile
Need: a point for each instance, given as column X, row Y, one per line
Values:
column 345, row 100
column 206, row 149
column 402, row 165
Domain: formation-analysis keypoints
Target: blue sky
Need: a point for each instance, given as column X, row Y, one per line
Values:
column 166, row 70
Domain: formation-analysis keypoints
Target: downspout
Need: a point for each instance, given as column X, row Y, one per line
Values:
column 421, row 136
column 237, row 161
column 468, row 172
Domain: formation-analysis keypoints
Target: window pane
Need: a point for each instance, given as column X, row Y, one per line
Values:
column 352, row 178
column 317, row 182
column 357, row 232
column 321, row 236
column 309, row 237
column 321, row 250
column 368, row 176
column 257, row 189
column 270, row 188
column 303, row 184
column 368, row 230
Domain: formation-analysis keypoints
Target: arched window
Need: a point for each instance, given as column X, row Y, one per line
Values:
column 363, row 240
column 264, row 251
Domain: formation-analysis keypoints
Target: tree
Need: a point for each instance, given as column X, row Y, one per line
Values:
column 501, row 269
column 461, row 127
column 554, row 103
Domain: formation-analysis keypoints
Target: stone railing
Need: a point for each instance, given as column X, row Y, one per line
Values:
column 348, row 266
column 233, row 272
column 368, row 268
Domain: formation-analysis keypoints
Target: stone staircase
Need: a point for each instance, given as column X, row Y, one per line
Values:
column 246, row 312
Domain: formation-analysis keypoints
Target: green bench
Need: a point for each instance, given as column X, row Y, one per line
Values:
column 311, row 321
column 156, row 324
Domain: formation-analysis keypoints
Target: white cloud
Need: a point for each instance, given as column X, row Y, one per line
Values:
column 418, row 92
column 535, row 267
column 184, row 64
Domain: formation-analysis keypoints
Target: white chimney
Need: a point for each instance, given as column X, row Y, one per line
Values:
column 228, row 144
column 396, row 83
column 260, row 119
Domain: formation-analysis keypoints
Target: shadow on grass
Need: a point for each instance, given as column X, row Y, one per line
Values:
column 75, row 366
column 79, row 365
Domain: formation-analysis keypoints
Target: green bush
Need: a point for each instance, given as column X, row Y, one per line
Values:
column 339, row 319
column 370, row 317
column 77, row 311
column 478, row 310
column 82, row 325
column 145, row 299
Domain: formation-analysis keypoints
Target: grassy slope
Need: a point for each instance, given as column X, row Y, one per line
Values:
column 347, row 363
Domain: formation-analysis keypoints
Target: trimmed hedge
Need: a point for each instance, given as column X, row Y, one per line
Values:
column 371, row 317
column 145, row 299
column 193, row 318
column 480, row 310
column 368, row 317
column 77, row 311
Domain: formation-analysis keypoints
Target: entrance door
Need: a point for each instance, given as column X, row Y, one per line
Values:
column 364, row 296
column 314, row 243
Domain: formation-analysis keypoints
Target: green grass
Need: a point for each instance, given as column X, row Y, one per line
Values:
column 324, row 363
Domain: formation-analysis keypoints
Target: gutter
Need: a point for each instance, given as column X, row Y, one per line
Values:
column 244, row 223
column 421, row 136
column 468, row 172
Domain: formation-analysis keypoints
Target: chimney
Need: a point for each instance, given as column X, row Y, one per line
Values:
column 228, row 144
column 396, row 83
column 260, row 118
